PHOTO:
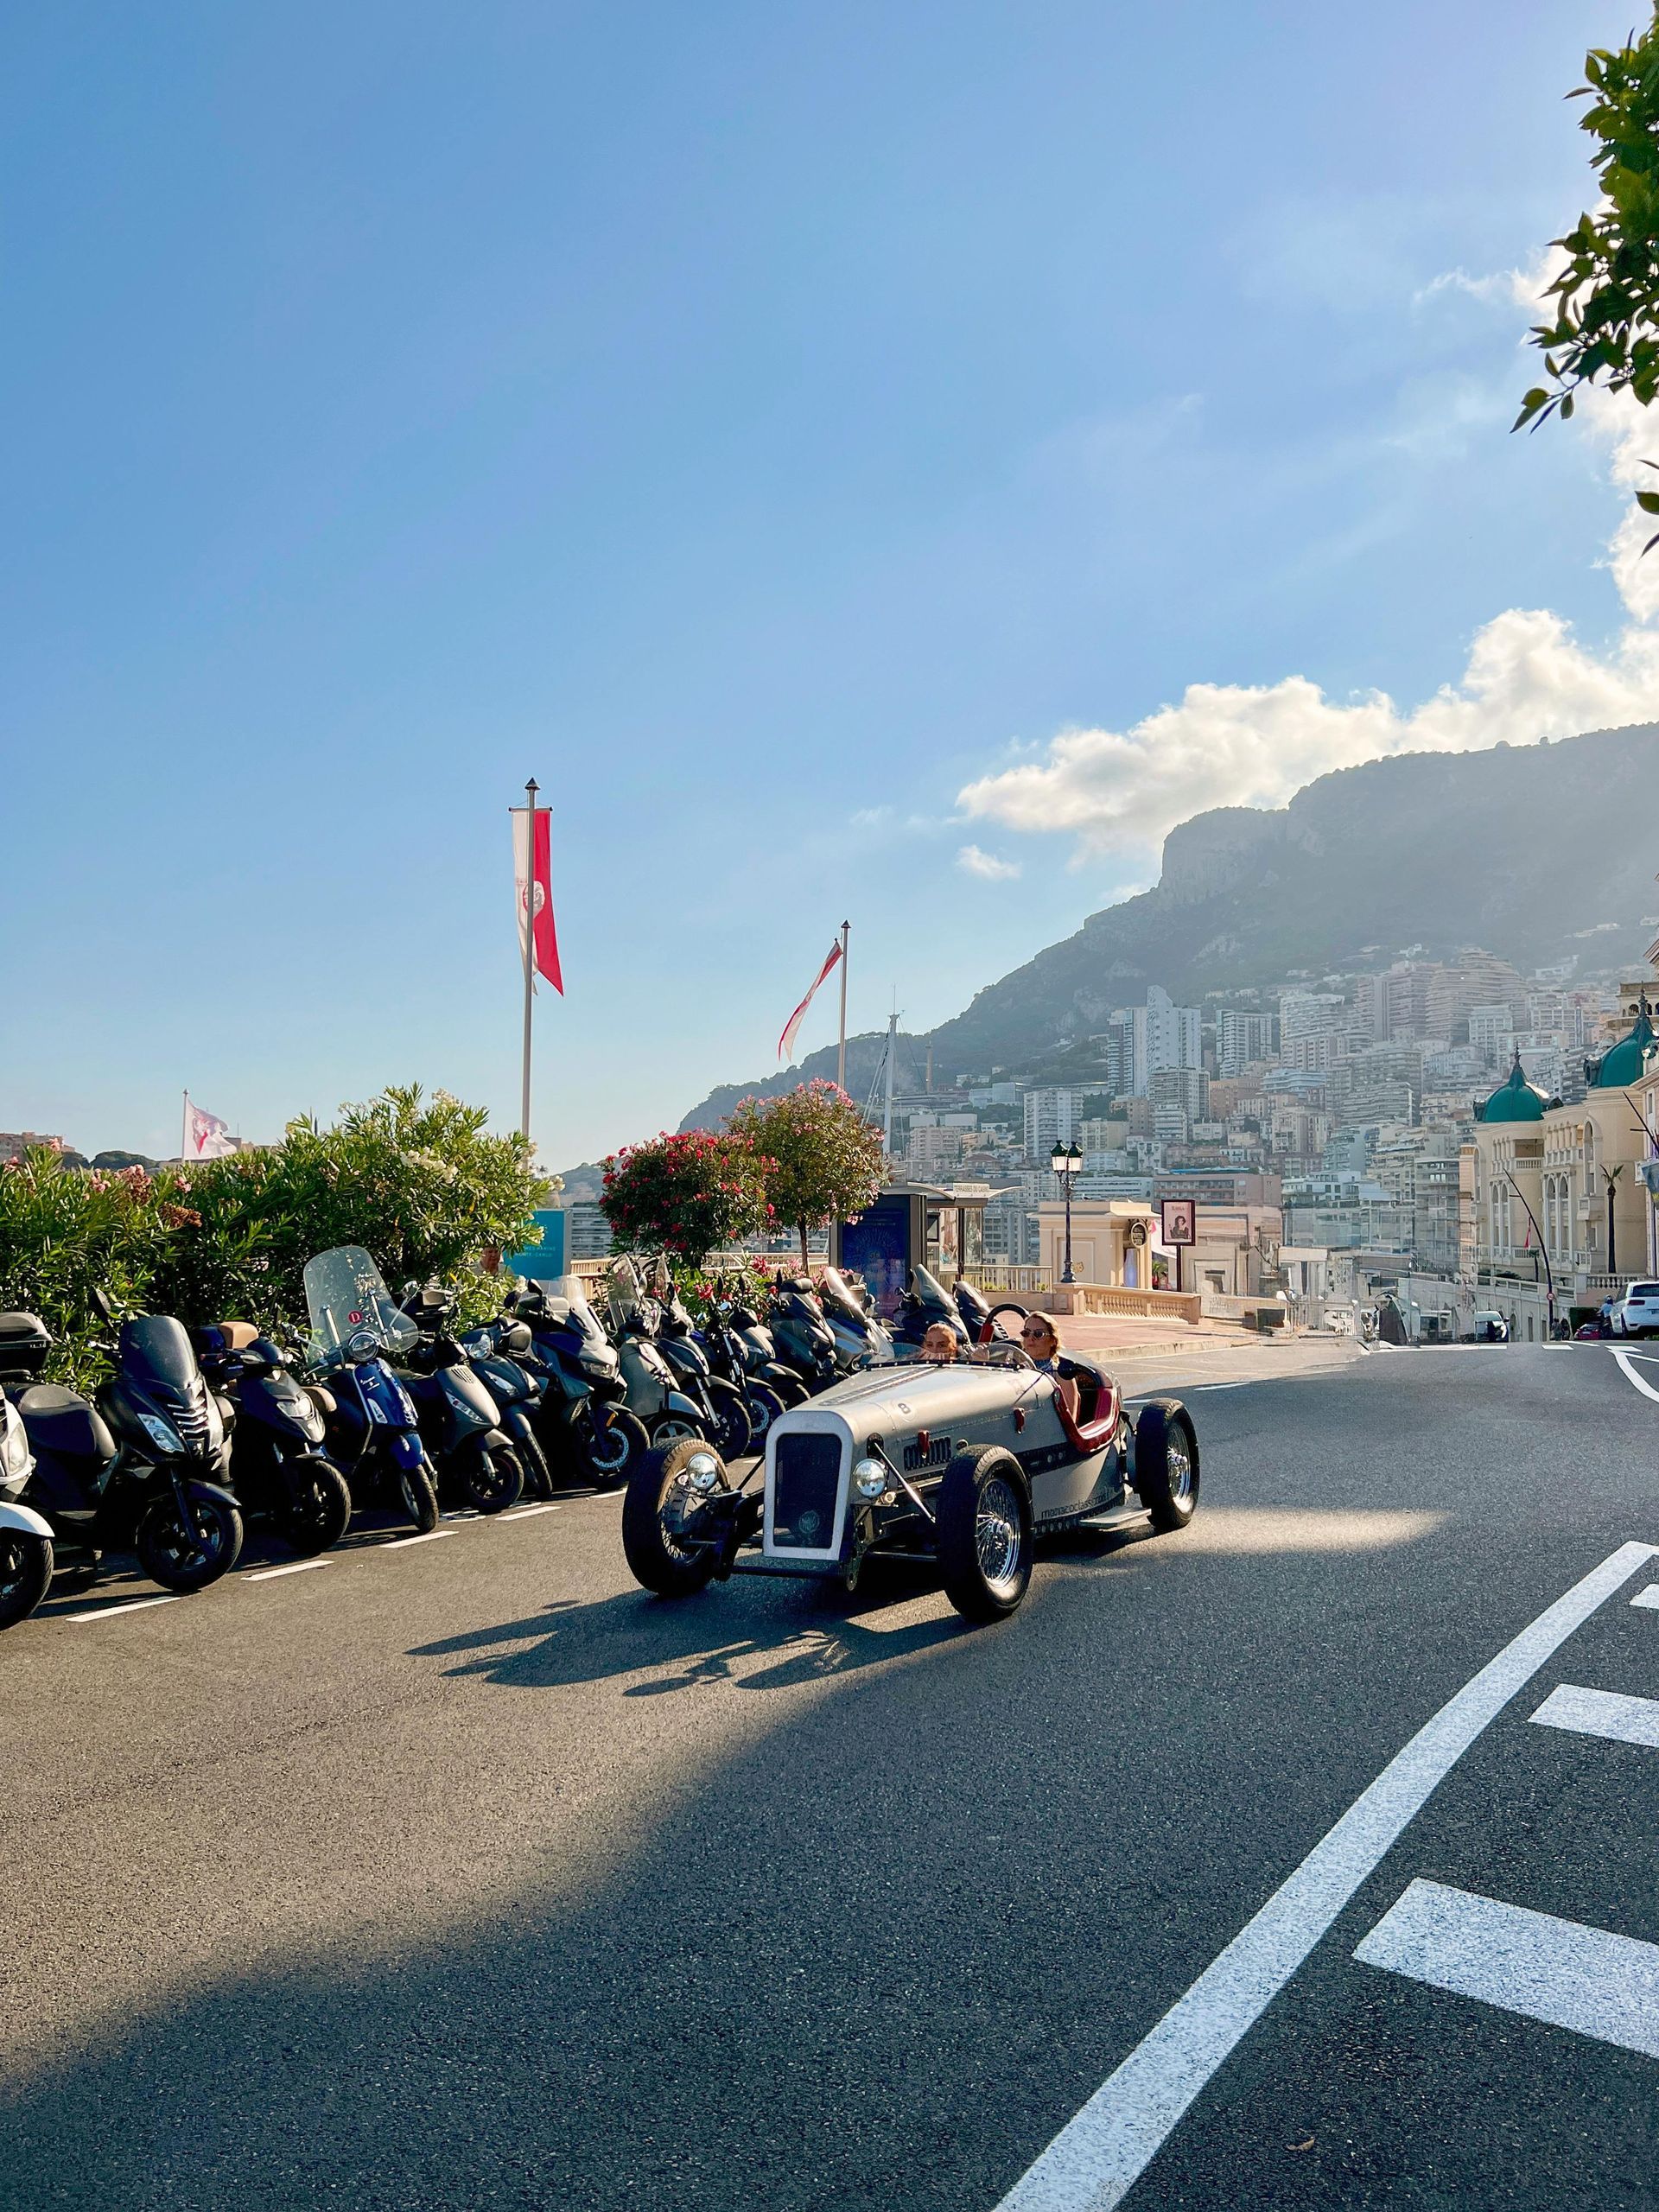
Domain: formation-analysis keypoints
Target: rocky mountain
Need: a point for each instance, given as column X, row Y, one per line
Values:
column 1539, row 854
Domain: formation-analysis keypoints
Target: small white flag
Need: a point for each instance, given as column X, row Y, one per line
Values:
column 206, row 1137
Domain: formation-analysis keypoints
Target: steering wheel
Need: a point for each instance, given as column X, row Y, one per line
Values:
column 989, row 1331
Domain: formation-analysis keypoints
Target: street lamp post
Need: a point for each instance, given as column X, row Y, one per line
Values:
column 1065, row 1162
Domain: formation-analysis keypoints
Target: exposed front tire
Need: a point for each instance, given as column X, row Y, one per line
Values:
column 318, row 1509
column 666, row 1549
column 186, row 1550
column 984, row 1533
column 25, row 1573
column 420, row 1496
column 611, row 1454
column 1166, row 1464
column 733, row 1431
column 491, row 1479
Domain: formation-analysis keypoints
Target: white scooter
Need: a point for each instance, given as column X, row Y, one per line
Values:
column 26, row 1557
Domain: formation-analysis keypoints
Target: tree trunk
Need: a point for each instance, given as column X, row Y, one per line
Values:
column 802, row 1226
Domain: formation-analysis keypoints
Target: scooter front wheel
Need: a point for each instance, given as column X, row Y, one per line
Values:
column 611, row 1454
column 186, row 1549
column 25, row 1574
column 492, row 1479
column 420, row 1496
column 318, row 1509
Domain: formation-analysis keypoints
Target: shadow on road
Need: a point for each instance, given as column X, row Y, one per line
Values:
column 688, row 1642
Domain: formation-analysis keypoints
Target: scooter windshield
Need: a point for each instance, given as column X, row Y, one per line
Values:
column 834, row 1290
column 583, row 1318
column 928, row 1290
column 350, row 1306
column 155, row 1348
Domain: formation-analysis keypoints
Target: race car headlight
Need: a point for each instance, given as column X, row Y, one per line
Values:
column 702, row 1471
column 870, row 1480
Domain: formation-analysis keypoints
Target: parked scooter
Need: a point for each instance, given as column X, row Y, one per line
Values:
column 801, row 1333
column 727, row 1353
column 25, row 1535
column 502, row 1355
column 368, row 1419
column 761, row 1357
column 585, row 1424
column 278, row 1467
column 722, row 1410
column 925, row 1302
column 654, row 1394
column 859, row 1336
column 143, row 1467
column 460, row 1420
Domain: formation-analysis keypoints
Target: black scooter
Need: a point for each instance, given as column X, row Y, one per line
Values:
column 278, row 1466
column 803, row 1336
column 143, row 1467
column 459, row 1421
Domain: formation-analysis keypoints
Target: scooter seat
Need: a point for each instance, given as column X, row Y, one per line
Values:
column 56, row 1420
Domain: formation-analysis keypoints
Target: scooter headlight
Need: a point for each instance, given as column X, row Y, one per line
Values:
column 702, row 1471
column 164, row 1438
column 870, row 1480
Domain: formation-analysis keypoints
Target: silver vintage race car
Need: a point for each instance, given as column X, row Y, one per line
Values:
column 962, row 1464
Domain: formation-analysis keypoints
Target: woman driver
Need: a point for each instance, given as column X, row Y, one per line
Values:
column 1041, row 1340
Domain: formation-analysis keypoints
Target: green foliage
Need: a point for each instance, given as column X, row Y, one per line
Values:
column 420, row 1183
column 1604, row 324
column 827, row 1160
column 64, row 1233
column 686, row 1195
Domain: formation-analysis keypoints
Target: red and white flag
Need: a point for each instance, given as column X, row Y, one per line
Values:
column 206, row 1137
column 532, row 868
column 786, row 1042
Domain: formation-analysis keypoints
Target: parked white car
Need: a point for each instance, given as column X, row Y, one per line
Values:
column 1637, row 1314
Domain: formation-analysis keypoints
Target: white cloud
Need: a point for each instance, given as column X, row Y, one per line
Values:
column 987, row 865
column 1236, row 745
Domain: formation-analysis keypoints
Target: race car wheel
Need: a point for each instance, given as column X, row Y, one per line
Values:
column 989, row 1332
column 661, row 1515
column 984, row 1533
column 1166, row 1464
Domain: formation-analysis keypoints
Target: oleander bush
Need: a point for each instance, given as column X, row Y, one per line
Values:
column 419, row 1182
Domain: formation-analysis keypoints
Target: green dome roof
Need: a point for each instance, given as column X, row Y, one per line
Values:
column 1515, row 1099
column 1624, row 1062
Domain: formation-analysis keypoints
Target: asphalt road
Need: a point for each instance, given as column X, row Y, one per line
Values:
column 462, row 1874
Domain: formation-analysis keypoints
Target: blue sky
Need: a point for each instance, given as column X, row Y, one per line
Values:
column 762, row 424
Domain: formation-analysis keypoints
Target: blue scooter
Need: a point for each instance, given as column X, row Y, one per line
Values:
column 372, row 1433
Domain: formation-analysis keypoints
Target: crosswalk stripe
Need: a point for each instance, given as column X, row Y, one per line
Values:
column 1602, row 1713
column 1586, row 1980
column 1649, row 1597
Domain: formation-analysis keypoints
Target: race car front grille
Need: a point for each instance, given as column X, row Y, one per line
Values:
column 806, row 1473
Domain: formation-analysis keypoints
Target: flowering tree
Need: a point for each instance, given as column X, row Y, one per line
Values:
column 827, row 1160
column 687, row 1195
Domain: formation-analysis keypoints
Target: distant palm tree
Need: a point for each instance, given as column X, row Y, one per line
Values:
column 1610, row 1176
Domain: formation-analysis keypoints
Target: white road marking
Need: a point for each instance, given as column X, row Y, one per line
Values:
column 1648, row 1597
column 270, row 1573
column 1097, row 2157
column 1585, row 1978
column 1242, row 1383
column 524, row 1512
column 399, row 1543
column 1601, row 1712
column 123, row 1606
column 1639, row 1381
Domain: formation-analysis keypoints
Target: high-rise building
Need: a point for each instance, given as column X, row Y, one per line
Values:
column 1052, row 1118
column 1242, row 1039
column 1165, row 1036
column 1306, row 1014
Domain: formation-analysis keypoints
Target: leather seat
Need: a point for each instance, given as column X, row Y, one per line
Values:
column 62, row 1420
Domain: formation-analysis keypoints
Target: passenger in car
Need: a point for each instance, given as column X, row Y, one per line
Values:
column 1040, row 1338
column 939, row 1344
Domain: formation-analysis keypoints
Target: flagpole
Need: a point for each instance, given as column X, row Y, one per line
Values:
column 184, row 1138
column 840, row 1056
column 531, row 789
